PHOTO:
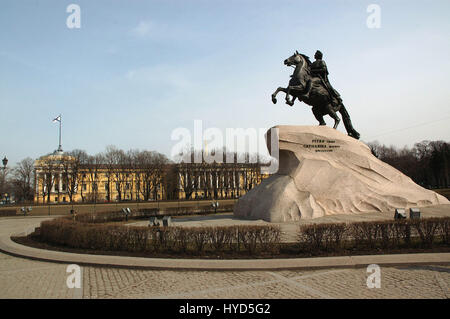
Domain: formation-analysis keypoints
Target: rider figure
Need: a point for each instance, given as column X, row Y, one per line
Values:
column 319, row 69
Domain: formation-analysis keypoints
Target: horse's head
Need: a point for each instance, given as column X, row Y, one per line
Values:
column 298, row 60
column 295, row 59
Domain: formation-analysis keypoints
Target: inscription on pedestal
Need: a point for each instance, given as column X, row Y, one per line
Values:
column 319, row 145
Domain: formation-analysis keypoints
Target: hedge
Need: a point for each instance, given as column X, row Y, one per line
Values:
column 87, row 233
column 408, row 233
column 197, row 240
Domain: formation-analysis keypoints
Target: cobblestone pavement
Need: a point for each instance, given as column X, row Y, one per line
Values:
column 23, row 278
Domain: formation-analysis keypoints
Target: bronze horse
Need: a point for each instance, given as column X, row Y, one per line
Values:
column 320, row 99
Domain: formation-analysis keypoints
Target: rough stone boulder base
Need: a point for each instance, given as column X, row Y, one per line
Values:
column 324, row 172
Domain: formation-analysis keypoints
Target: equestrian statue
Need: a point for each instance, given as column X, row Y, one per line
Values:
column 309, row 84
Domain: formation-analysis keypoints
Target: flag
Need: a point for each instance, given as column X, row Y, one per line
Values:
column 57, row 119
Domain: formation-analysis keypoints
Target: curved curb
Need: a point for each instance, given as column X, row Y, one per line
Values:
column 15, row 249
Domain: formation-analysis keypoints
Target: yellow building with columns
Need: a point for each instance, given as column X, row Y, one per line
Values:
column 60, row 179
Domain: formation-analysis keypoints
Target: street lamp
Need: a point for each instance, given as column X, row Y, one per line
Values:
column 5, row 162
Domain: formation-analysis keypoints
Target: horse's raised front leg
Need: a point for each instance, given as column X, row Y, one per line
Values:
column 288, row 100
column 288, row 93
column 291, row 102
column 274, row 94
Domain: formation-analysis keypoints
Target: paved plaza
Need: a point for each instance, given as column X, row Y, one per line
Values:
column 22, row 278
column 25, row 278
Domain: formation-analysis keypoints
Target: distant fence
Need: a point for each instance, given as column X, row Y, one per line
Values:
column 117, row 216
column 8, row 212
column 182, row 205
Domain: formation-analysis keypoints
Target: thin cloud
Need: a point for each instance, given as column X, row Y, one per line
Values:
column 166, row 32
column 143, row 29
column 160, row 76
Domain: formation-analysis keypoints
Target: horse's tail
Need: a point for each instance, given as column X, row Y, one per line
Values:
column 348, row 122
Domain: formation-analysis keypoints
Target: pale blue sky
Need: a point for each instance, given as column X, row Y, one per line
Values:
column 136, row 70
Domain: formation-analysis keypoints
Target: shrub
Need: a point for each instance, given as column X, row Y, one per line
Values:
column 181, row 234
column 337, row 234
column 312, row 237
column 269, row 238
column 444, row 229
column 199, row 236
column 426, row 228
column 386, row 234
column 248, row 236
column 401, row 232
column 365, row 234
column 155, row 238
column 322, row 236
column 220, row 237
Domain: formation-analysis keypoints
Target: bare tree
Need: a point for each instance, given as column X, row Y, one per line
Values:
column 150, row 167
column 427, row 163
column 93, row 168
column 112, row 158
column 439, row 163
column 48, row 168
column 23, row 180
column 71, row 171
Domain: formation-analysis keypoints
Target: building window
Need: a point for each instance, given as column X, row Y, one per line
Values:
column 106, row 187
column 64, row 199
column 56, row 199
column 84, row 187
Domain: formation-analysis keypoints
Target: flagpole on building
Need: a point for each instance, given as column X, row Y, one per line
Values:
column 58, row 119
column 60, row 124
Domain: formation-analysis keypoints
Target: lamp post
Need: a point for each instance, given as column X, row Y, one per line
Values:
column 4, row 162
